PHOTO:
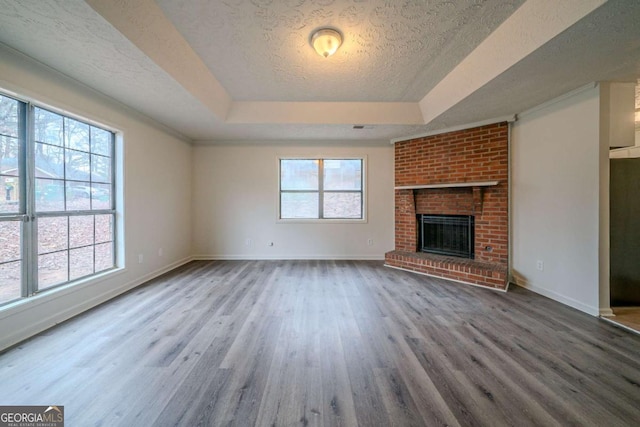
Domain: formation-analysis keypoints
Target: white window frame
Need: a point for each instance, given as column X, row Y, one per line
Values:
column 363, row 191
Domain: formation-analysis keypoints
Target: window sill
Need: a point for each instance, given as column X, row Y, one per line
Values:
column 46, row 296
column 321, row 221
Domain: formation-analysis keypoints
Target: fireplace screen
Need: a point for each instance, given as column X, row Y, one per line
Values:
column 446, row 234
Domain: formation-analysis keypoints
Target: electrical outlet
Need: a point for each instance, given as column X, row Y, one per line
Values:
column 370, row 242
column 140, row 258
column 540, row 265
column 160, row 252
column 248, row 242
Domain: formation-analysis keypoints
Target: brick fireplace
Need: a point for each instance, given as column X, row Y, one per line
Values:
column 456, row 173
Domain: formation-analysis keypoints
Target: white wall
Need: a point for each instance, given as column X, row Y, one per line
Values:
column 617, row 113
column 236, row 194
column 157, row 197
column 556, row 200
column 628, row 152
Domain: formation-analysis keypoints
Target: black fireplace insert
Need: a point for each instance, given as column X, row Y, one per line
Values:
column 446, row 235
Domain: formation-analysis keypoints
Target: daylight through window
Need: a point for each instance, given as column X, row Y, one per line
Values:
column 321, row 188
column 57, row 209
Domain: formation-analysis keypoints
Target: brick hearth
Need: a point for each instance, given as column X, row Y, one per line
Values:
column 470, row 170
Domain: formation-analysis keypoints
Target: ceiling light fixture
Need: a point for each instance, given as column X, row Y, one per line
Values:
column 326, row 41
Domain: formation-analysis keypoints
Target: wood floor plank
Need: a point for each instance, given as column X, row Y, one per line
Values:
column 327, row 343
column 285, row 385
column 396, row 398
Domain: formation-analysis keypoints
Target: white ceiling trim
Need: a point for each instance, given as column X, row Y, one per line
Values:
column 560, row 98
column 532, row 25
column 510, row 118
column 293, row 143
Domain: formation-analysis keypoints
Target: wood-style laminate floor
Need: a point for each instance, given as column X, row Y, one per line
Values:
column 285, row 343
column 627, row 316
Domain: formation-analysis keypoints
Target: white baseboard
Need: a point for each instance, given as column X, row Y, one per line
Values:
column 41, row 324
column 578, row 305
column 226, row 257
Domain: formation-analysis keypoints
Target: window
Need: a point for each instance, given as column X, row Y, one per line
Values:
column 322, row 188
column 57, row 208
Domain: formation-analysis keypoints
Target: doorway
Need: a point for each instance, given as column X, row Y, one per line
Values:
column 625, row 242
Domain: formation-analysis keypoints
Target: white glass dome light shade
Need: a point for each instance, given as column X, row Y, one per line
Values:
column 326, row 41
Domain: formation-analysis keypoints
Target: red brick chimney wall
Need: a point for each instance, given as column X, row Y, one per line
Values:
column 472, row 155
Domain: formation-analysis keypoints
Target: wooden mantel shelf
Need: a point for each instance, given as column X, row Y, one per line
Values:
column 449, row 185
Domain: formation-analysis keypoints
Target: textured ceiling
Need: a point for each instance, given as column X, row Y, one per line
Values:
column 392, row 51
column 69, row 36
column 603, row 46
column 243, row 70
